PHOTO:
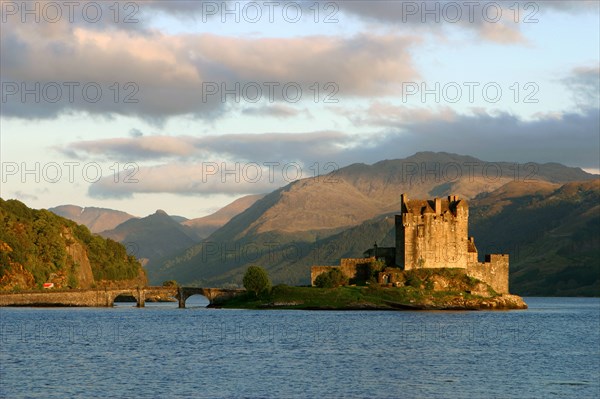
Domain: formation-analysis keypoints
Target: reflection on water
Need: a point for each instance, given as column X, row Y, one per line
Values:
column 550, row 350
column 195, row 301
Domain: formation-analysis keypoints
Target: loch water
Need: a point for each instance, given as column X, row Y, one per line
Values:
column 551, row 350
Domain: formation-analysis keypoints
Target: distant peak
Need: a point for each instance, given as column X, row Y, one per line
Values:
column 160, row 212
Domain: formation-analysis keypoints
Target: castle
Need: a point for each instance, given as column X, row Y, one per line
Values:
column 430, row 234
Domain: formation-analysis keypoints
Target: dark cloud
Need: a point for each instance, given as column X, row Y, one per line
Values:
column 475, row 15
column 136, row 133
column 571, row 139
column 479, row 17
column 488, row 20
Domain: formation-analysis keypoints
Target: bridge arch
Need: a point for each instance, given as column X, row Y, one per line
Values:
column 214, row 295
column 138, row 294
column 185, row 292
column 196, row 300
column 125, row 298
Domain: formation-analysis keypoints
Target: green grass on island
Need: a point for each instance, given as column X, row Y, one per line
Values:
column 347, row 297
column 422, row 290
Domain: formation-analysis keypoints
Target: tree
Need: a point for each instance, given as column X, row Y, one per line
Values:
column 257, row 280
column 333, row 278
column 373, row 270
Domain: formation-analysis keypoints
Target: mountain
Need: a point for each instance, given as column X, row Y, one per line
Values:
column 356, row 193
column 153, row 237
column 206, row 225
column 343, row 210
column 552, row 236
column 161, row 236
column 37, row 246
column 179, row 219
column 96, row 219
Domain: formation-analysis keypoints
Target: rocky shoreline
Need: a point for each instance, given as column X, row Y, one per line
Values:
column 503, row 302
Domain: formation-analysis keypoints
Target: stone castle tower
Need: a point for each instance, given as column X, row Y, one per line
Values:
column 435, row 234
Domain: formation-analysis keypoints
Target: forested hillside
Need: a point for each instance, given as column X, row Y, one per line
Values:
column 37, row 246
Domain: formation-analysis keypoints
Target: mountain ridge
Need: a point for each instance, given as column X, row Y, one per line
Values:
column 95, row 218
column 152, row 237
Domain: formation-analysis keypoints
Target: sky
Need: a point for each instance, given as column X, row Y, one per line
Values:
column 187, row 105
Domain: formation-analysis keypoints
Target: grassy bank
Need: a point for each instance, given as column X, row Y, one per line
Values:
column 370, row 297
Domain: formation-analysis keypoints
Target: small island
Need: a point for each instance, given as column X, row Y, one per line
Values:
column 434, row 266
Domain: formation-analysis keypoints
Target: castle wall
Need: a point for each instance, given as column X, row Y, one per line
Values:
column 350, row 267
column 494, row 271
column 356, row 267
column 399, row 242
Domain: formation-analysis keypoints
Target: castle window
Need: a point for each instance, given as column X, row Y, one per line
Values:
column 420, row 231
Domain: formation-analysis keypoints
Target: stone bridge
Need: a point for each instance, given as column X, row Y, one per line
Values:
column 105, row 297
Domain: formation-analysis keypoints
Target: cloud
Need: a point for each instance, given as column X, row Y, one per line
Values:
column 133, row 149
column 21, row 196
column 382, row 113
column 136, row 133
column 115, row 68
column 574, row 7
column 277, row 110
column 200, row 178
column 584, row 84
column 494, row 21
column 49, row 71
column 490, row 21
column 399, row 11
column 266, row 147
